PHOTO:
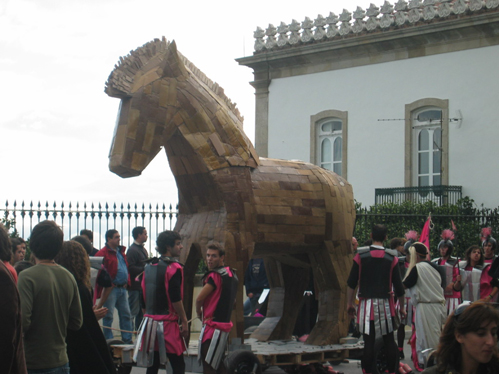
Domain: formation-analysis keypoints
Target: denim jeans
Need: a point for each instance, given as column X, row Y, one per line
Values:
column 118, row 298
column 64, row 369
column 250, row 304
column 135, row 309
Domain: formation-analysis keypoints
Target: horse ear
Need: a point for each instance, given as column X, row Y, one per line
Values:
column 174, row 63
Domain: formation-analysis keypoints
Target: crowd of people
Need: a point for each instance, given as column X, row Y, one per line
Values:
column 402, row 286
column 52, row 304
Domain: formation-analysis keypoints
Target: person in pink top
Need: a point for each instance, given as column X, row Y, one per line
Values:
column 214, row 307
column 452, row 290
column 162, row 287
column 489, row 245
column 478, row 284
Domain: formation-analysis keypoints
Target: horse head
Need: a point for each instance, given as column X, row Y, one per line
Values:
column 166, row 101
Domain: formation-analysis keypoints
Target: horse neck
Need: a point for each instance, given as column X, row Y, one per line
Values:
column 196, row 183
column 202, row 134
column 183, row 157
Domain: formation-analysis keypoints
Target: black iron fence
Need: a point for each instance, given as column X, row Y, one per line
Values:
column 440, row 195
column 99, row 217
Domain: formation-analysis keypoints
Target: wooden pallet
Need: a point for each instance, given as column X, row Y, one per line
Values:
column 273, row 353
column 123, row 352
column 295, row 353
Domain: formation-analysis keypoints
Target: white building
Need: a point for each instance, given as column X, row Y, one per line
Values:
column 403, row 96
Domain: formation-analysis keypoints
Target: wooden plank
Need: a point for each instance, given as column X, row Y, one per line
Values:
column 296, row 261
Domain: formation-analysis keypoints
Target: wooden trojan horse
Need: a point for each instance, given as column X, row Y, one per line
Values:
column 295, row 215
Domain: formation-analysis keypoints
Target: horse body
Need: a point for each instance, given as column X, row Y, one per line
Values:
column 294, row 214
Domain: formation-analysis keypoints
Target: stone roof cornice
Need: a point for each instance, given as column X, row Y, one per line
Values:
column 410, row 39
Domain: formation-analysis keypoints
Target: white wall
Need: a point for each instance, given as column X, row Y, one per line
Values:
column 468, row 79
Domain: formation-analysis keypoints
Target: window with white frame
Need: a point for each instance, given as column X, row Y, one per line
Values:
column 427, row 127
column 329, row 132
column 427, row 143
column 328, row 140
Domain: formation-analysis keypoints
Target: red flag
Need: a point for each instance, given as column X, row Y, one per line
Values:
column 425, row 236
column 454, row 228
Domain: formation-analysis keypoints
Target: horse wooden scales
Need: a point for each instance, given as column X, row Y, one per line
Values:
column 294, row 214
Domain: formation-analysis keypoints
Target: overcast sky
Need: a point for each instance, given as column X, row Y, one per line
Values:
column 56, row 122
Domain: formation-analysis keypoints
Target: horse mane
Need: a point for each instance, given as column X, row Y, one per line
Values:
column 120, row 80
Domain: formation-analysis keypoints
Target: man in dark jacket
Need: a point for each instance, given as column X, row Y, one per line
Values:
column 90, row 236
column 255, row 281
column 136, row 256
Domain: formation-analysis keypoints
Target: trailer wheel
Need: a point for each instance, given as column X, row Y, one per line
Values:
column 123, row 369
column 243, row 362
column 120, row 368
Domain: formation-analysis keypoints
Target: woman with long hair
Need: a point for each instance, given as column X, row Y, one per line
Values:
column 87, row 348
column 476, row 282
column 6, row 254
column 424, row 282
column 468, row 344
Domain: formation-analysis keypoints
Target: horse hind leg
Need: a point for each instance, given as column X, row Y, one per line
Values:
column 331, row 266
column 287, row 285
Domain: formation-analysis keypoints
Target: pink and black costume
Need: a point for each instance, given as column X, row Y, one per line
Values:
column 451, row 267
column 159, row 338
column 217, row 310
column 476, row 281
column 488, row 239
column 376, row 273
column 493, row 270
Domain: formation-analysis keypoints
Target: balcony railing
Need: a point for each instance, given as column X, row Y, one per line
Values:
column 441, row 195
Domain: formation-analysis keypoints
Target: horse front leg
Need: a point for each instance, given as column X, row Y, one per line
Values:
column 193, row 258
